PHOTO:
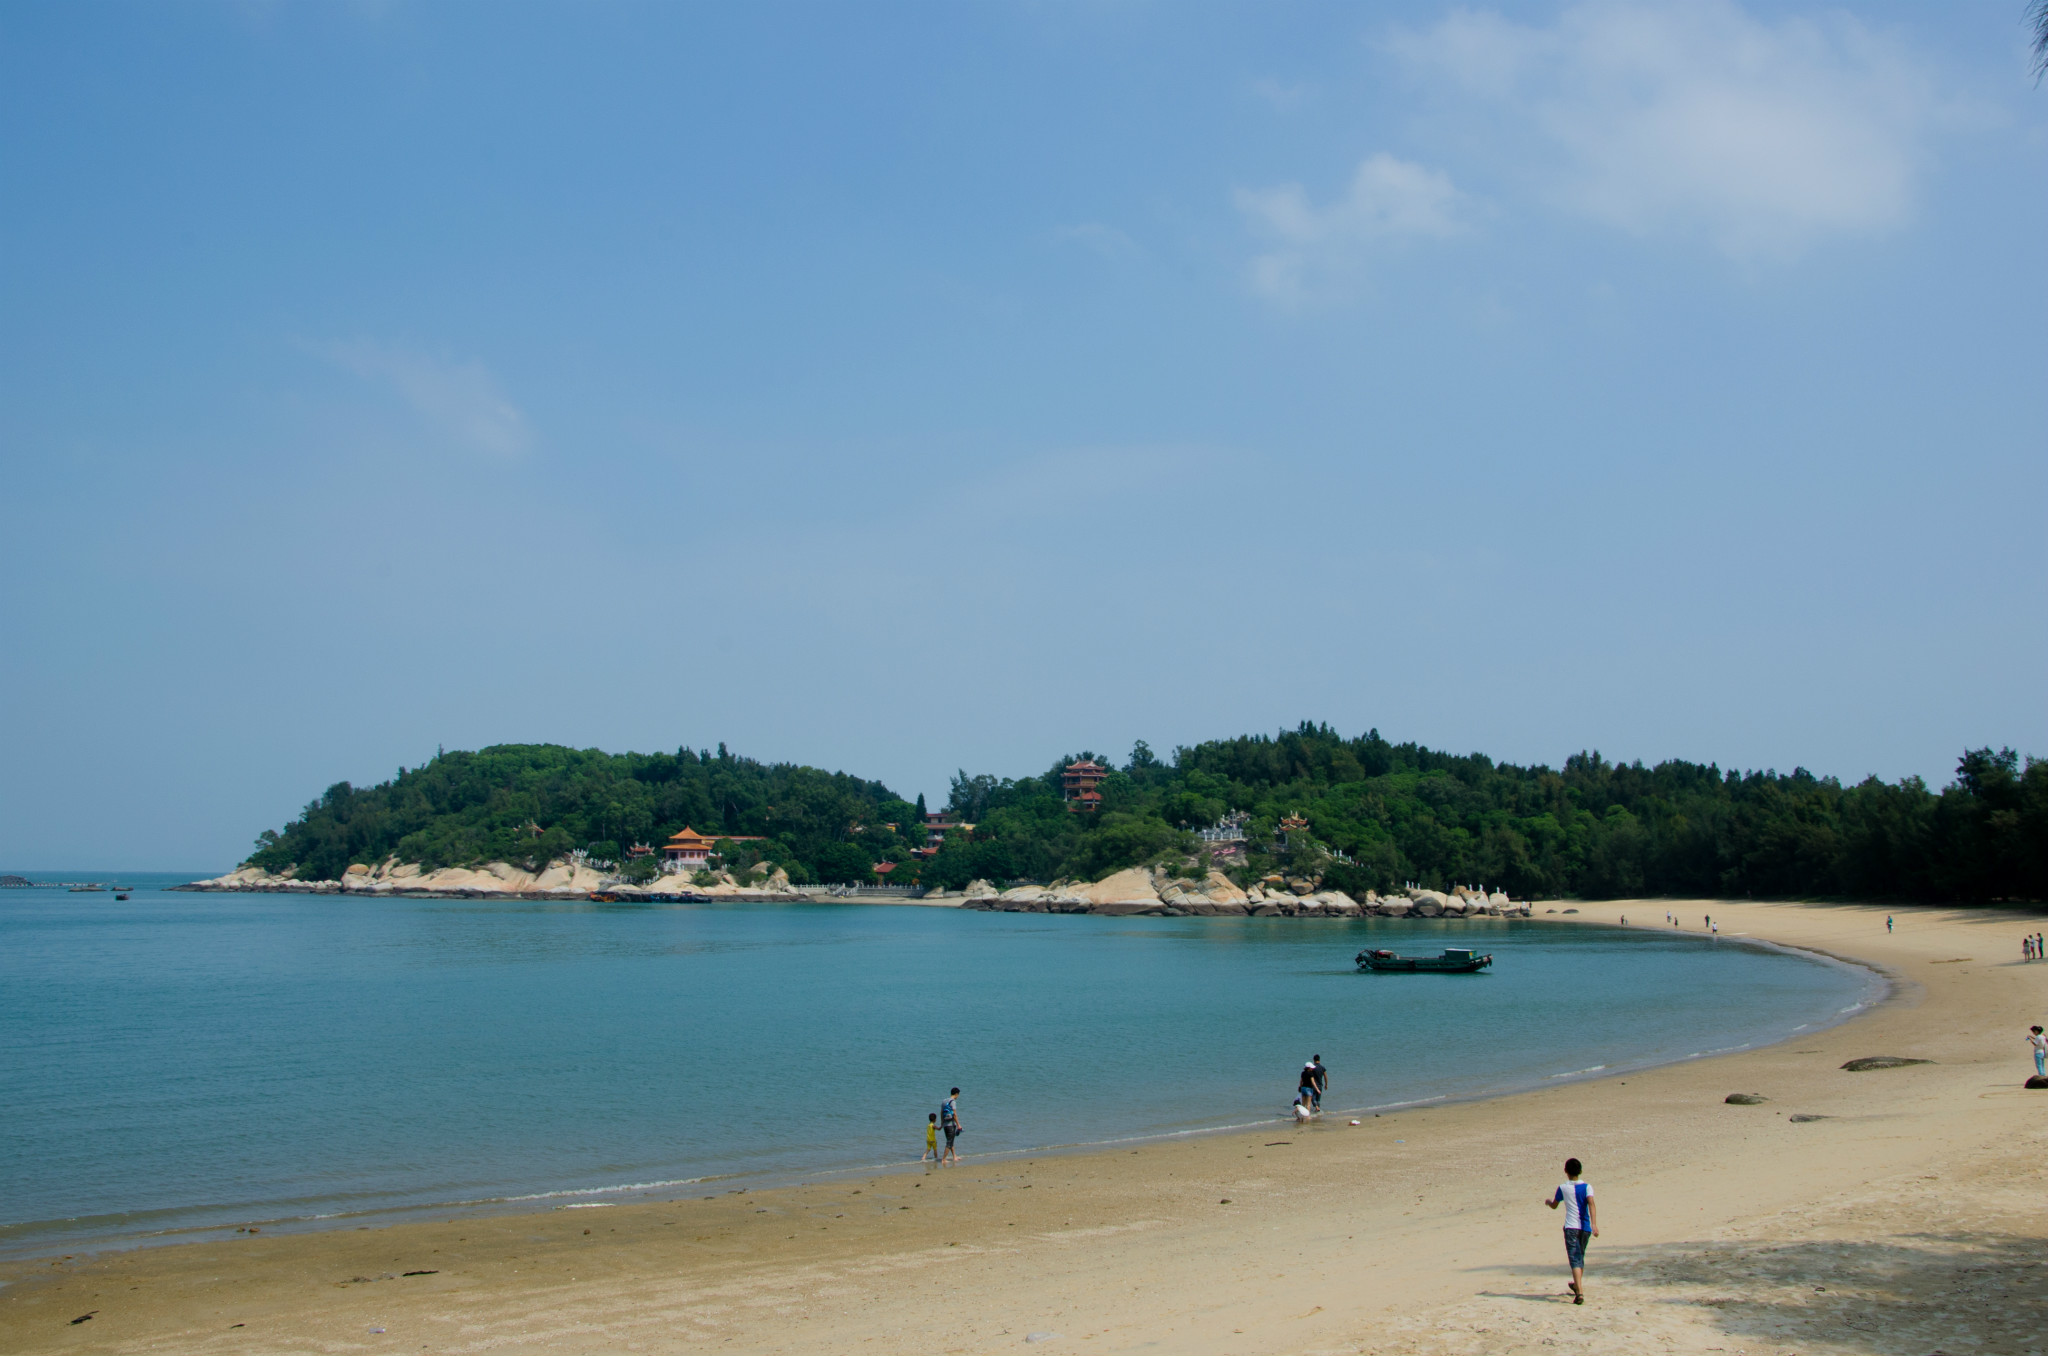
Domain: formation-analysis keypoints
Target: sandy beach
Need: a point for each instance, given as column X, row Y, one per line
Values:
column 1905, row 1215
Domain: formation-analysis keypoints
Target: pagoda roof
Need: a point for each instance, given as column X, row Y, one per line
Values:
column 691, row 838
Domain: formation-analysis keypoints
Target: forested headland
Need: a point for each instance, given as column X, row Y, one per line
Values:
column 1379, row 814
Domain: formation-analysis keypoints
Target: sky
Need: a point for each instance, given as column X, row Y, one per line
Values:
column 915, row 387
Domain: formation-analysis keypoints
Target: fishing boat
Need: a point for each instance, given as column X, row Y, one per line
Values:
column 1456, row 960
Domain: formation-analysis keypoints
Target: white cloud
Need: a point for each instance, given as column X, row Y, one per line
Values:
column 1107, row 241
column 1317, row 249
column 461, row 399
column 1696, row 118
column 1285, row 97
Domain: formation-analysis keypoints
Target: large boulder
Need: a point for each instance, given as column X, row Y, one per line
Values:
column 2036, row 1081
column 1429, row 908
column 980, row 889
column 1129, row 885
column 1220, row 890
column 1396, row 907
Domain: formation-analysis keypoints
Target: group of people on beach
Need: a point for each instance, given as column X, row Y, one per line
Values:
column 1308, row 1098
column 946, row 1119
column 2030, row 947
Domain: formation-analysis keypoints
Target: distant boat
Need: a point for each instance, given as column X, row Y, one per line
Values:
column 121, row 896
column 1456, row 960
column 88, row 889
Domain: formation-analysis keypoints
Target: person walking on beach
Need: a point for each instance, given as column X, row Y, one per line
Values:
column 931, row 1136
column 1887, row 922
column 1320, row 1084
column 1581, row 1222
column 2040, row 1044
column 949, row 1121
column 1306, row 1093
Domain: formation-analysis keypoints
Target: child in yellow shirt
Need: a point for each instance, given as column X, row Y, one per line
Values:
column 931, row 1137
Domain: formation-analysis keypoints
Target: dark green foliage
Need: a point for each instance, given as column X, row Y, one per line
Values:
column 1380, row 814
column 531, row 803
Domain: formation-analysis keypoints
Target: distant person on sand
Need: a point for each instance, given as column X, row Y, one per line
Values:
column 931, row 1136
column 949, row 1121
column 2040, row 1044
column 1887, row 922
column 1581, row 1222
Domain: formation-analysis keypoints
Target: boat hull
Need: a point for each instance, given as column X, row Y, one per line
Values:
column 1431, row 965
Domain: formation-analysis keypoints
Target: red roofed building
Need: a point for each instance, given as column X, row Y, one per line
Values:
column 688, row 850
column 1079, row 782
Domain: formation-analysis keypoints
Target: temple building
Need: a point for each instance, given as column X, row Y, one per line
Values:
column 1079, row 782
column 688, row 850
column 936, row 827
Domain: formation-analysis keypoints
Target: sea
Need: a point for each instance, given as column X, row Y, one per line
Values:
column 180, row 1065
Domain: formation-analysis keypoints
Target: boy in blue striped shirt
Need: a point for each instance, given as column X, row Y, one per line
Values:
column 1581, row 1222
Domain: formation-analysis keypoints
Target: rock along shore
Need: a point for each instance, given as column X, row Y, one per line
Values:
column 1138, row 890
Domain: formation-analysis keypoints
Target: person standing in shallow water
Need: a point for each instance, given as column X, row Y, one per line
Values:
column 949, row 1121
column 1581, row 1222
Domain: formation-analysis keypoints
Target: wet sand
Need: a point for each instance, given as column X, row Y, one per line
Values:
column 1908, row 1219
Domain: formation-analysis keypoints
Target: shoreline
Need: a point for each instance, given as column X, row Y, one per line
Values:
column 1880, row 987
column 1124, row 1244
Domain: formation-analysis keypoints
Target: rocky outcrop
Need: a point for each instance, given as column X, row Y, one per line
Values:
column 1745, row 1099
column 558, row 880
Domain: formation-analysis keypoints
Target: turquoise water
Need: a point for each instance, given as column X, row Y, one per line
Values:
column 182, row 1063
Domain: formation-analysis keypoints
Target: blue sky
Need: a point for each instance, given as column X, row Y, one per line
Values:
column 906, row 388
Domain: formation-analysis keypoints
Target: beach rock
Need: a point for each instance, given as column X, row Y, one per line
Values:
column 1454, row 907
column 1881, row 1062
column 1429, row 908
column 1396, row 908
column 1805, row 1116
column 1498, row 900
column 1300, row 886
column 2036, row 1081
column 1268, row 909
column 358, row 871
column 1220, row 890
column 1745, row 1099
column 1130, row 886
column 980, row 889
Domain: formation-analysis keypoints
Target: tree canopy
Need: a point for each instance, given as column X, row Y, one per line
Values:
column 1379, row 815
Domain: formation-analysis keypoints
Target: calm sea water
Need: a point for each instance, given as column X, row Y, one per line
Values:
column 182, row 1063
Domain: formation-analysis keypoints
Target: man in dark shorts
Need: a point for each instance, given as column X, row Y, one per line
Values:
column 1581, row 1222
column 949, row 1121
column 1320, row 1084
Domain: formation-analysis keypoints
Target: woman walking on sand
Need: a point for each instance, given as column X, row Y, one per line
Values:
column 2040, row 1044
